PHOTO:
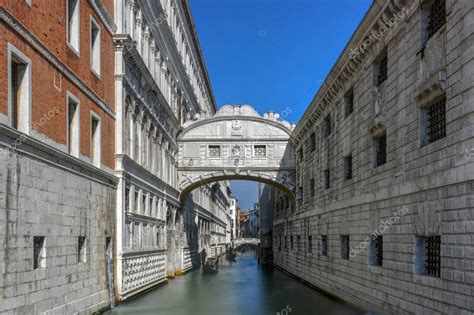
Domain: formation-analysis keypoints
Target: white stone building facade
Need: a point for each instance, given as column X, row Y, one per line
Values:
column 161, row 82
column 385, row 214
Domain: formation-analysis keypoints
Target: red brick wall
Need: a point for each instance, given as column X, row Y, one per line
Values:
column 46, row 19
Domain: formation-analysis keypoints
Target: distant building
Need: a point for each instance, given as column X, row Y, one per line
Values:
column 233, row 217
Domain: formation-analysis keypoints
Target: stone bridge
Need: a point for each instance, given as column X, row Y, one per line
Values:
column 236, row 143
column 242, row 241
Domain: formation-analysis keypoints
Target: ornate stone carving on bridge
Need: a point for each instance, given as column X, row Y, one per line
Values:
column 236, row 143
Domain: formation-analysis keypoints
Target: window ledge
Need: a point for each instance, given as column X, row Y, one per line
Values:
column 74, row 50
column 428, row 280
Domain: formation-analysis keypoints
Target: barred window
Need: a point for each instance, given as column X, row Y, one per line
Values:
column 437, row 17
column 382, row 70
column 311, row 187
column 349, row 102
column 214, row 151
column 312, row 142
column 327, row 179
column 344, row 241
column 324, row 245
column 380, row 144
column 436, row 120
column 428, row 255
column 260, row 150
column 348, row 167
column 376, row 251
column 327, row 126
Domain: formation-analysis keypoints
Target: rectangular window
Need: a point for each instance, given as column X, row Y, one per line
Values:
column 95, row 46
column 428, row 255
column 311, row 187
column 382, row 69
column 344, row 242
column 214, row 151
column 376, row 251
column 324, row 245
column 298, row 243
column 300, row 154
column 19, row 89
column 81, row 249
column 310, row 244
column 260, row 151
column 73, row 125
column 108, row 242
column 348, row 167
column 286, row 241
column 327, row 126
column 39, row 252
column 312, row 142
column 436, row 17
column 291, row 242
column 349, row 102
column 380, row 148
column 327, row 179
column 73, row 22
column 95, row 140
column 434, row 116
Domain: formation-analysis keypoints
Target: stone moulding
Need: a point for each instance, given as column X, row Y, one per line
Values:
column 37, row 150
column 346, row 67
column 37, row 45
column 104, row 15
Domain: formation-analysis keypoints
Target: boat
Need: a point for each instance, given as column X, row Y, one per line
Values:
column 210, row 266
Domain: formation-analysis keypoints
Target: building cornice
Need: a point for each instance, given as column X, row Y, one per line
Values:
column 7, row 18
column 25, row 145
column 104, row 15
column 197, row 47
column 346, row 67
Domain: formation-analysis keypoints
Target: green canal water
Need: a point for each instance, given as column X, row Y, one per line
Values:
column 240, row 288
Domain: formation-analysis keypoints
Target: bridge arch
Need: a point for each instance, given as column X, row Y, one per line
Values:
column 236, row 143
column 246, row 241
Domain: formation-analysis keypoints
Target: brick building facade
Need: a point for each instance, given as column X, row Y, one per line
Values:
column 57, row 153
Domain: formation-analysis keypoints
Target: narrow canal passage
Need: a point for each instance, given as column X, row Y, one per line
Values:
column 240, row 288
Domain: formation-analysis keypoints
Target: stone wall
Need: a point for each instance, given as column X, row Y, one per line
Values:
column 422, row 190
column 43, row 193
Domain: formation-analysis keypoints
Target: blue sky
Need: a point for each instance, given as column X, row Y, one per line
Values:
column 272, row 54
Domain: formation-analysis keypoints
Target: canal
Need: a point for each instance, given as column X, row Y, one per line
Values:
column 240, row 288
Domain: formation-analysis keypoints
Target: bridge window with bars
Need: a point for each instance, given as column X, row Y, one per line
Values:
column 214, row 151
column 260, row 151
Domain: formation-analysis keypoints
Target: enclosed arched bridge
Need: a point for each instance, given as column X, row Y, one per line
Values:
column 236, row 143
